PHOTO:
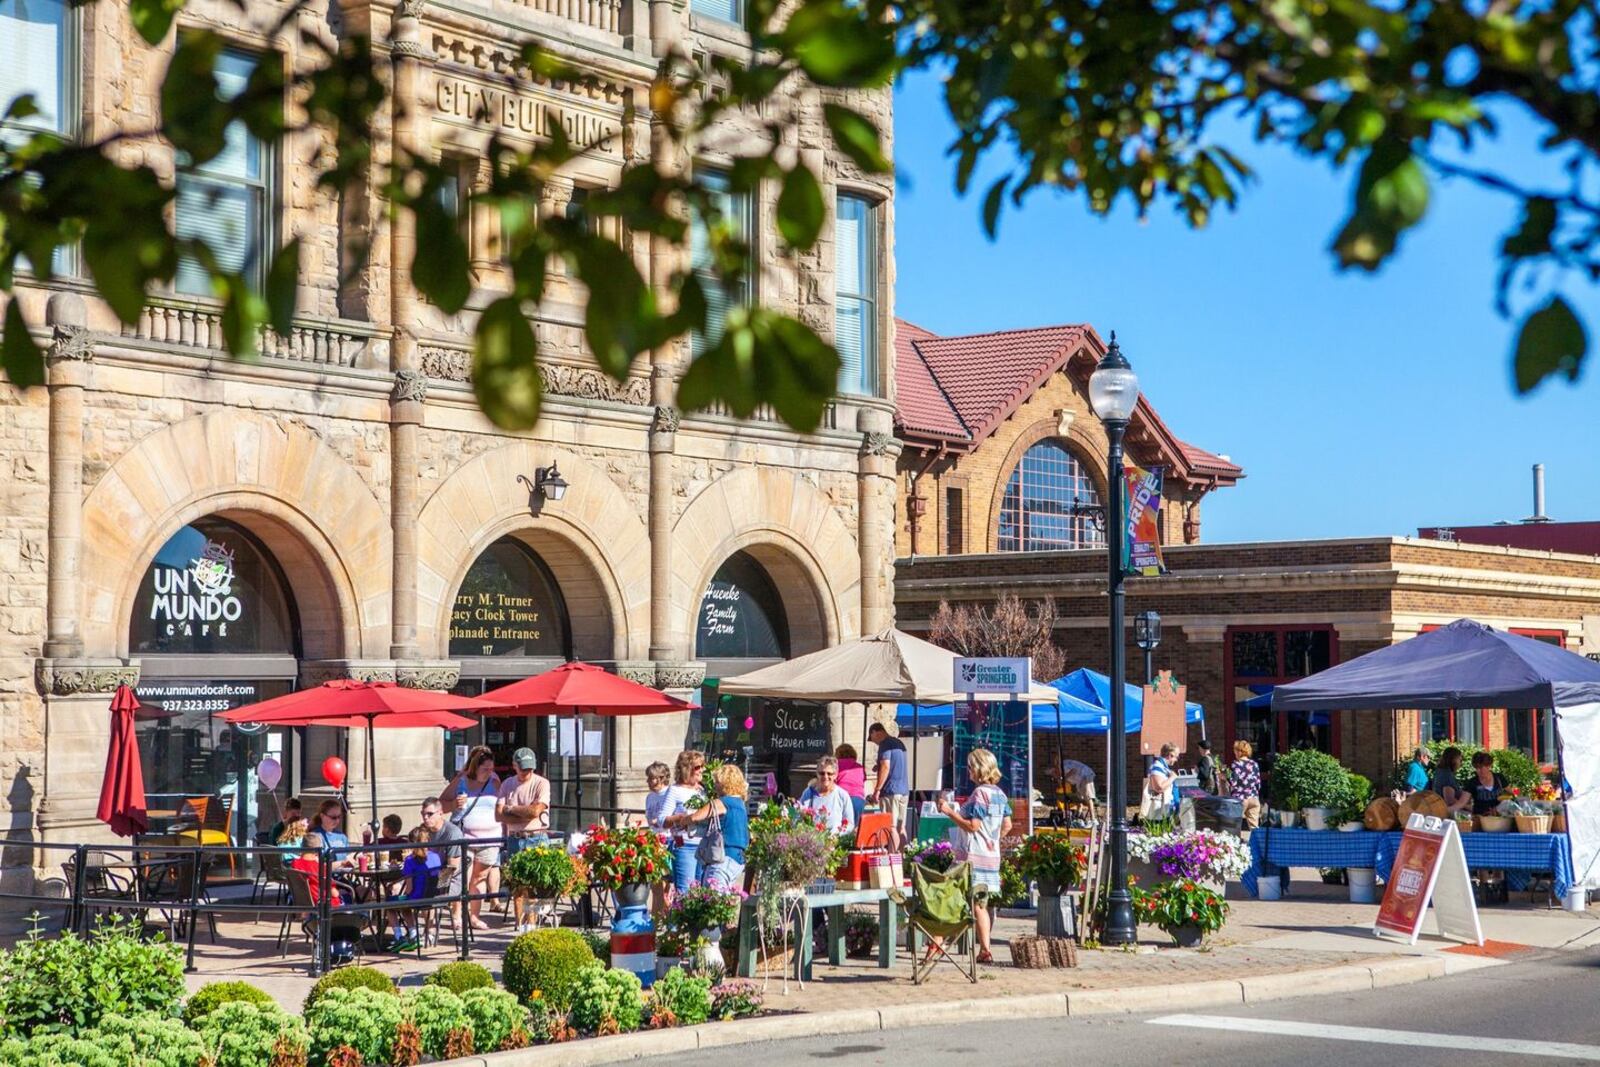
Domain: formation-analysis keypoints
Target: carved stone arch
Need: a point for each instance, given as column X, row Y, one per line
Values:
column 310, row 508
column 593, row 540
column 797, row 536
column 1086, row 443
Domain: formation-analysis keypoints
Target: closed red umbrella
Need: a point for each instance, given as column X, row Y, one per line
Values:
column 579, row 687
column 122, row 791
column 363, row 705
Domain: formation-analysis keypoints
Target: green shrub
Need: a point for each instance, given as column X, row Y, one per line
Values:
column 362, row 1018
column 494, row 1014
column 603, row 997
column 349, row 978
column 735, row 999
column 147, row 1041
column 545, row 871
column 242, row 1034
column 67, row 984
column 212, row 996
column 460, row 976
column 437, row 1012
column 599, row 944
column 55, row 1050
column 1357, row 793
column 1308, row 779
column 688, row 998
column 546, row 962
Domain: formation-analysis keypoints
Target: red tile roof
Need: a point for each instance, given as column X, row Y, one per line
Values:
column 954, row 391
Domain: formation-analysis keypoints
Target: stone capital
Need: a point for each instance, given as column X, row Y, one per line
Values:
column 667, row 419
column 316, row 672
column 642, row 672
column 877, row 443
column 70, row 344
column 428, row 674
column 683, row 675
column 409, row 386
column 69, row 677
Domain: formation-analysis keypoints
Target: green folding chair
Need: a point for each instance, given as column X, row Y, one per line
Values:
column 942, row 909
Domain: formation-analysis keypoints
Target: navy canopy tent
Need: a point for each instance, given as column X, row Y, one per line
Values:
column 1469, row 665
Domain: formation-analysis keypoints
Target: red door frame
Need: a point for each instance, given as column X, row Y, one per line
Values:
column 1230, row 682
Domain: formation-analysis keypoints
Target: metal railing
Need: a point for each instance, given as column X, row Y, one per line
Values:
column 152, row 874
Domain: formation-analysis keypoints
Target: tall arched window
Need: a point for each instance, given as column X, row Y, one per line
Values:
column 1048, row 502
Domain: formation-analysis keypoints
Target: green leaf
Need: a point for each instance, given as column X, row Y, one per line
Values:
column 260, row 106
column 194, row 119
column 22, row 360
column 620, row 320
column 153, row 18
column 800, row 208
column 242, row 313
column 1393, row 185
column 1532, row 237
column 282, row 279
column 505, row 366
column 440, row 268
column 23, row 107
column 1552, row 341
column 856, row 137
column 991, row 206
column 840, row 44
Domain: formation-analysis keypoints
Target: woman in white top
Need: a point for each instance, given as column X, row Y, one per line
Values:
column 471, row 797
column 687, row 772
column 826, row 800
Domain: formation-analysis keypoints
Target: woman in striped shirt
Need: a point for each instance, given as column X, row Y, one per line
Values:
column 984, row 819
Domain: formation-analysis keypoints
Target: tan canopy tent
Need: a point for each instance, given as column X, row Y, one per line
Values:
column 887, row 667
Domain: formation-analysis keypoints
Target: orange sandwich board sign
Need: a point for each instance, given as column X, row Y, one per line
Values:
column 1431, row 866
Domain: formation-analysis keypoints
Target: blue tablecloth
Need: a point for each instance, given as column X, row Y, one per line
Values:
column 1309, row 848
column 1520, row 855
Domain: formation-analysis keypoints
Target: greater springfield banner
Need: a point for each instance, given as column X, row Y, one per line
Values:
column 1141, row 549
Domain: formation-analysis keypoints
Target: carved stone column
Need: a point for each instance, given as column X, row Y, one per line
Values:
column 410, row 387
column 875, row 520
column 68, row 357
column 664, row 643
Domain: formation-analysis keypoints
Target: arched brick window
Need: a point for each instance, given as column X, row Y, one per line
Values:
column 1049, row 502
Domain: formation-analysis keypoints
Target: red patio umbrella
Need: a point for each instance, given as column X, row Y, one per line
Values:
column 122, row 791
column 363, row 705
column 578, row 687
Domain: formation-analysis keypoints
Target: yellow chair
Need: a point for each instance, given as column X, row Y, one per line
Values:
column 211, row 819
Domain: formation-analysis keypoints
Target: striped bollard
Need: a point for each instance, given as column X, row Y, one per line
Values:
column 633, row 943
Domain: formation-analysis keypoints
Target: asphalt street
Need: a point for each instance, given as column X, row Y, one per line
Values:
column 1540, row 1009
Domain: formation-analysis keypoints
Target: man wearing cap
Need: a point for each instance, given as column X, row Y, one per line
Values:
column 523, row 808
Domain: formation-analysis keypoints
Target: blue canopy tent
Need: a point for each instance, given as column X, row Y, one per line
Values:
column 1094, row 688
column 1469, row 665
column 1083, row 707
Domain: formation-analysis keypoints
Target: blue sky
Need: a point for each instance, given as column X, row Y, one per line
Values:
column 1357, row 404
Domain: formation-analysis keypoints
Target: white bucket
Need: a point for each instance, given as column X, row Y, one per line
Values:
column 1269, row 887
column 1363, row 885
column 1577, row 899
column 1315, row 818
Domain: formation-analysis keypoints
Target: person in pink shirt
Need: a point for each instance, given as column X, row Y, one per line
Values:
column 852, row 779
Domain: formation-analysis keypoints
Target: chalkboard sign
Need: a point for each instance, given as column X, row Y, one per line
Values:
column 800, row 730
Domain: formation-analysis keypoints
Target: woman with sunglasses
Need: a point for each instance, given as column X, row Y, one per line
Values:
column 471, row 797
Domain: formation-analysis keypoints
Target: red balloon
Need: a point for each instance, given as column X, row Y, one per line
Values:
column 333, row 771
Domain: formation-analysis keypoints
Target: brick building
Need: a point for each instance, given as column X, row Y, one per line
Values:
column 1004, row 464
column 1239, row 618
column 215, row 532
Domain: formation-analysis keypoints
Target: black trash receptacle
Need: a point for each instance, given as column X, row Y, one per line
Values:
column 1217, row 813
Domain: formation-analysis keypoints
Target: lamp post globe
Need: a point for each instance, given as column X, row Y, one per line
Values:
column 1114, row 391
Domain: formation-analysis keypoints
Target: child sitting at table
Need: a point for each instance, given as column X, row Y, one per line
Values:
column 346, row 931
column 292, row 833
column 394, row 833
column 421, row 870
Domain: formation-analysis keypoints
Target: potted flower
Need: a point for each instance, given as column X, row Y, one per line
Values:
column 1056, row 864
column 544, row 872
column 789, row 850
column 1185, row 910
column 936, row 855
column 626, row 860
column 1199, row 855
column 699, row 916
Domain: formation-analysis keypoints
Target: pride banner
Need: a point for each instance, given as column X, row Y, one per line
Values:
column 1141, row 548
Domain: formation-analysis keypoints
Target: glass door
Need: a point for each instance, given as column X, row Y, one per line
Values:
column 577, row 753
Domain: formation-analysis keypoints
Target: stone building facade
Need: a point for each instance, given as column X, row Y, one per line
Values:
column 343, row 504
column 1239, row 618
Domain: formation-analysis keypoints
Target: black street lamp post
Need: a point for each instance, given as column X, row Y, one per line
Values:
column 1113, row 391
column 1147, row 635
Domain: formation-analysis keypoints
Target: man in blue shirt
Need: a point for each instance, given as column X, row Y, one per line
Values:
column 893, row 785
column 1417, row 771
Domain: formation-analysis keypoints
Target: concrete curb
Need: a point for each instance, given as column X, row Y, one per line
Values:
column 1129, row 1000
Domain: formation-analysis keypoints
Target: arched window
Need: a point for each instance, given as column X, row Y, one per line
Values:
column 509, row 605
column 1048, row 502
column 741, row 616
column 212, row 589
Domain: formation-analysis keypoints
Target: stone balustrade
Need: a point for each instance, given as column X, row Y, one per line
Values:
column 312, row 341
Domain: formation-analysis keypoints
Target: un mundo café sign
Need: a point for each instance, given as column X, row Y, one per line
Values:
column 992, row 674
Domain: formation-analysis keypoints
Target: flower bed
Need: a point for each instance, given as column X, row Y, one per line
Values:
column 1194, row 854
column 114, row 999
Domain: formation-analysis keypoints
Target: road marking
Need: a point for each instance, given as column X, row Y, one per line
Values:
column 1373, row 1035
